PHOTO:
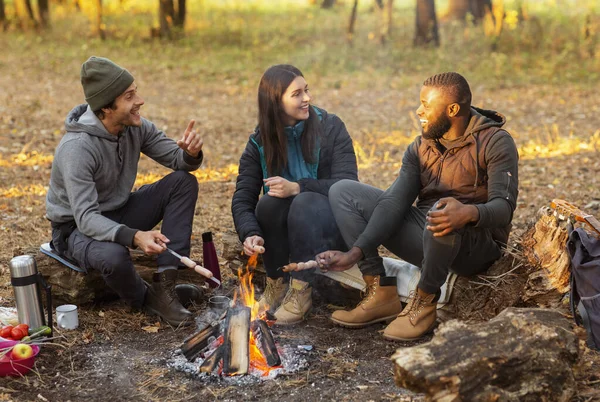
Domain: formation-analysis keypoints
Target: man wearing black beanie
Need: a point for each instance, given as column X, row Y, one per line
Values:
column 95, row 215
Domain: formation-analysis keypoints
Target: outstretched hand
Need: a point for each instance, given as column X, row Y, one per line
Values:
column 333, row 260
column 191, row 141
column 449, row 214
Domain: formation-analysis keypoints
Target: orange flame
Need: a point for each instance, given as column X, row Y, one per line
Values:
column 245, row 294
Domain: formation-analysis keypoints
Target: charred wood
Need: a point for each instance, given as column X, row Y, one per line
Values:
column 236, row 359
column 265, row 342
column 195, row 343
column 212, row 362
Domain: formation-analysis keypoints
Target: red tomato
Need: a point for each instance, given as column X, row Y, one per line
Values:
column 5, row 331
column 23, row 327
column 17, row 334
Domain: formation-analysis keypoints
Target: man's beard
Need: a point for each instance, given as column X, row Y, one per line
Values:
column 437, row 129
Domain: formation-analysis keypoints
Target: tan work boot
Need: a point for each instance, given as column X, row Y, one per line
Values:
column 417, row 318
column 296, row 304
column 273, row 294
column 381, row 303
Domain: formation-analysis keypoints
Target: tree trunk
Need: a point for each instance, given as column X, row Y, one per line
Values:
column 521, row 355
column 327, row 3
column 426, row 24
column 44, row 13
column 457, row 9
column 98, row 25
column 350, row 33
column 181, row 12
column 30, row 12
column 385, row 16
column 2, row 15
column 479, row 8
column 165, row 17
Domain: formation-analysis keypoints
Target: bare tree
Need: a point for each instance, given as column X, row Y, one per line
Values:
column 166, row 13
column 426, row 24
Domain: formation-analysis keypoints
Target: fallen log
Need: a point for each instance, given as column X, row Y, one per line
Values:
column 521, row 355
column 236, row 359
column 265, row 342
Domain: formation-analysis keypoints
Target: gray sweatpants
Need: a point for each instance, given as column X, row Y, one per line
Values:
column 467, row 251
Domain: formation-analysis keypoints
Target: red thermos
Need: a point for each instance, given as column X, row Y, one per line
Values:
column 209, row 255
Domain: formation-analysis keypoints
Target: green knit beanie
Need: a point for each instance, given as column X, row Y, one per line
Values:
column 103, row 81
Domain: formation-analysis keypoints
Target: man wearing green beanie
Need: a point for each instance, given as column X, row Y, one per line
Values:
column 95, row 215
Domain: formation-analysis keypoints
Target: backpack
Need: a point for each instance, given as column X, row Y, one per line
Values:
column 584, row 251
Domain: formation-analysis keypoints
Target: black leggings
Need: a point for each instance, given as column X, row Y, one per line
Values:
column 296, row 229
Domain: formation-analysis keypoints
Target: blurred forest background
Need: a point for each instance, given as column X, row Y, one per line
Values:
column 535, row 61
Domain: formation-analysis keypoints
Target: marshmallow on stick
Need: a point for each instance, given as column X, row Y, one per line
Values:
column 300, row 266
column 198, row 268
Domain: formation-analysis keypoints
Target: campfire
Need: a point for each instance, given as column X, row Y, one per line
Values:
column 240, row 340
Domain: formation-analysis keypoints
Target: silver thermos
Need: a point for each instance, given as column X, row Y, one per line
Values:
column 26, row 282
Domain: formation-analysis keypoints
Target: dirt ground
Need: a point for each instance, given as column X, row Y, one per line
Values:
column 111, row 357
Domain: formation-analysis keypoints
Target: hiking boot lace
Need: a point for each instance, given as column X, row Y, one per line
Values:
column 370, row 293
column 414, row 307
column 270, row 292
column 292, row 297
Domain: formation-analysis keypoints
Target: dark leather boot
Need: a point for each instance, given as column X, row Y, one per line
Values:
column 161, row 299
column 189, row 294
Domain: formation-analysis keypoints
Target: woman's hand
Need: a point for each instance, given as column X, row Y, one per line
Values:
column 281, row 188
column 254, row 244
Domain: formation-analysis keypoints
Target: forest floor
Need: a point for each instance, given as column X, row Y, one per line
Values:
column 110, row 355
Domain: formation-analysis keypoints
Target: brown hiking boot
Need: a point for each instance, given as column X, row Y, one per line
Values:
column 296, row 304
column 273, row 295
column 417, row 318
column 161, row 299
column 381, row 303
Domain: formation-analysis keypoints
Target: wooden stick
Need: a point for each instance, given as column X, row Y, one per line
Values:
column 300, row 266
column 265, row 342
column 236, row 358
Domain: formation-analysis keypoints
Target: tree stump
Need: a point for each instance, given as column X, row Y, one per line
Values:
column 544, row 247
column 77, row 288
column 521, row 355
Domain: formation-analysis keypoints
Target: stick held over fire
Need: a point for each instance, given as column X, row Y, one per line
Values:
column 265, row 342
column 236, row 353
column 198, row 268
column 300, row 266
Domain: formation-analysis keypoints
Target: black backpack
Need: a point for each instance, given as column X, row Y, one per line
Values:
column 584, row 251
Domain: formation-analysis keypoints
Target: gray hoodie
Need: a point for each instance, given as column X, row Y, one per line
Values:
column 94, row 172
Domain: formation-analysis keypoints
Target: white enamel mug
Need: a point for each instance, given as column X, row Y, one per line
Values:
column 66, row 316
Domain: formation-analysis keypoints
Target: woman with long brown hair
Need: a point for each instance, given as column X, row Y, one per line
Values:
column 294, row 156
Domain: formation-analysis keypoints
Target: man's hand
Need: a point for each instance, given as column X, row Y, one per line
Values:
column 281, row 188
column 191, row 142
column 338, row 260
column 450, row 215
column 151, row 242
column 254, row 244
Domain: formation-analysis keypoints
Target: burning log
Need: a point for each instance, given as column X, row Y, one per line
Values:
column 237, row 335
column 209, row 365
column 265, row 342
column 195, row 343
